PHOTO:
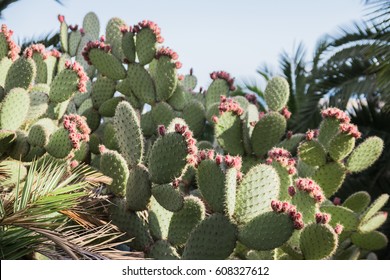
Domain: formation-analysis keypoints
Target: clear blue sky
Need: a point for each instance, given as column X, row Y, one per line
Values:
column 235, row 36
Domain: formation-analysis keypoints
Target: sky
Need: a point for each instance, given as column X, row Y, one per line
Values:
column 209, row 35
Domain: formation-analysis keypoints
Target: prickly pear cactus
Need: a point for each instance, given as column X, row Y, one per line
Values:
column 196, row 173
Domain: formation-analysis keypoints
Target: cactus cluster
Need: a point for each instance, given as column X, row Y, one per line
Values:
column 196, row 174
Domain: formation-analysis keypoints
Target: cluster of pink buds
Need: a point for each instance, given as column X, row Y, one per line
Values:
column 225, row 76
column 176, row 182
column 229, row 105
column 309, row 186
column 286, row 113
column 161, row 130
column 35, row 48
column 54, row 52
column 73, row 27
column 13, row 48
column 152, row 26
column 61, row 18
column 283, row 157
column 335, row 113
column 77, row 128
column 337, row 201
column 79, row 70
column 94, row 45
column 164, row 51
column 73, row 164
column 125, row 29
column 311, row 134
column 350, row 129
column 206, row 154
column 322, row 218
column 231, row 162
column 102, row 149
column 338, row 229
column 192, row 149
column 291, row 210
column 180, row 77
column 251, row 98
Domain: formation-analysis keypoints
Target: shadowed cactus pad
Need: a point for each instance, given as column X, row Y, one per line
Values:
column 213, row 239
column 266, row 231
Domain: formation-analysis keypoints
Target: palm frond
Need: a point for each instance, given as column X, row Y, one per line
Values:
column 36, row 207
column 5, row 3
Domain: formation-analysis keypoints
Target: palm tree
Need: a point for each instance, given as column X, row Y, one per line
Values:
column 54, row 213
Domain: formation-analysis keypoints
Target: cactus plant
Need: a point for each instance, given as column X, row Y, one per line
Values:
column 196, row 174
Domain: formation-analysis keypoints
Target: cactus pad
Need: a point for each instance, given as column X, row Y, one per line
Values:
column 373, row 240
column 318, row 241
column 141, row 83
column 358, row 201
column 185, row 220
column 21, row 74
column 342, row 215
column 113, row 165
column 276, row 93
column 257, row 189
column 138, row 189
column 365, row 154
column 266, row 231
column 213, row 239
column 128, row 133
column 163, row 250
column 159, row 220
column 267, row 132
column 228, row 132
column 14, row 109
column 330, row 177
column 107, row 64
column 168, row 197
column 312, row 153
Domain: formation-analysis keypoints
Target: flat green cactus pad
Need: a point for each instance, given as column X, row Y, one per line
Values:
column 165, row 78
column 306, row 205
column 266, row 231
column 167, row 158
column 14, row 109
column 194, row 115
column 185, row 220
column 114, row 36
column 93, row 118
column 168, row 197
column 211, row 182
column 330, row 177
column 40, row 132
column 341, row 146
column 147, row 124
column 63, row 86
column 133, row 223
column 163, row 250
column 64, row 37
column 141, row 83
column 145, row 45
column 59, row 145
column 312, row 153
column 257, row 189
column 217, row 88
column 268, row 132
column 162, row 113
column 318, row 241
column 374, row 208
column 177, row 100
column 159, row 220
column 189, row 82
column 342, row 215
column 107, row 109
column 113, row 165
column 276, row 93
column 74, row 42
column 213, row 239
column 91, row 25
column 228, row 132
column 365, row 154
column 138, row 189
column 329, row 128
column 358, row 201
column 128, row 133
column 373, row 223
column 5, row 64
column 102, row 90
column 39, row 103
column 107, row 64
column 373, row 240
column 21, row 74
column 41, row 68
column 128, row 46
